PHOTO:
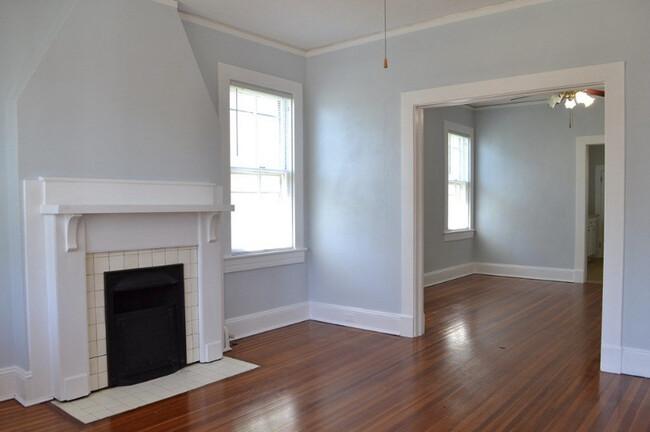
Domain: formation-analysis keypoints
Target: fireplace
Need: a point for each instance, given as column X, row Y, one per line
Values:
column 145, row 323
column 78, row 229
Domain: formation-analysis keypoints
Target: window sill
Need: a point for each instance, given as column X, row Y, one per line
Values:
column 260, row 260
column 458, row 235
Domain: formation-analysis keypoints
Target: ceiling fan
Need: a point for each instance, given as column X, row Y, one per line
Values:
column 571, row 98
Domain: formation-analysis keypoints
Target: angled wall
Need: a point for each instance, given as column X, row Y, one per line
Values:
column 26, row 29
column 116, row 94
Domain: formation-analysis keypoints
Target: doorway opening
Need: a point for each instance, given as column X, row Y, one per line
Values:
column 611, row 77
column 590, row 209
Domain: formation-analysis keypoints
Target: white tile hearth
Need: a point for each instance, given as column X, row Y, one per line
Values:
column 116, row 400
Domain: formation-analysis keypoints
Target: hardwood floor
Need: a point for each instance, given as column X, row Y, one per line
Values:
column 499, row 354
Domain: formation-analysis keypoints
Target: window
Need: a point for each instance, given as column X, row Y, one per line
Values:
column 262, row 152
column 261, row 170
column 459, row 193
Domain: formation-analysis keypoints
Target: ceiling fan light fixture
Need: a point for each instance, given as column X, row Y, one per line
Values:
column 583, row 98
column 570, row 103
column 554, row 100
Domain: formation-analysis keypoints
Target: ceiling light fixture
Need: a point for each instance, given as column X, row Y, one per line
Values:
column 572, row 98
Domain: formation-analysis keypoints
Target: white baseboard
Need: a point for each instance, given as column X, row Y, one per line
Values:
column 14, row 383
column 636, row 362
column 526, row 272
column 610, row 358
column 383, row 322
column 272, row 319
column 447, row 274
column 578, row 276
column 507, row 270
column 7, row 383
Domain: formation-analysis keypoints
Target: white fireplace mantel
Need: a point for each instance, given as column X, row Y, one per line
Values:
column 67, row 218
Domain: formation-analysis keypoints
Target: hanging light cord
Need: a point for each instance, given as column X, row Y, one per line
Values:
column 385, row 55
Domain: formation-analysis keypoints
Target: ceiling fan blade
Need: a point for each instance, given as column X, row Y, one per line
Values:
column 517, row 98
column 594, row 92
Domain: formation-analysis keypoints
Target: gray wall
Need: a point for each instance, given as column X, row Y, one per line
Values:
column 525, row 183
column 25, row 27
column 439, row 254
column 354, row 135
column 596, row 157
column 254, row 291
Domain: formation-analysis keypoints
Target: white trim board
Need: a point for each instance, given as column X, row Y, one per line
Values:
column 450, row 273
column 260, row 322
column 493, row 269
column 378, row 321
column 7, row 383
column 13, row 383
column 525, row 272
column 263, row 260
column 382, row 322
column 224, row 28
column 636, row 362
column 612, row 76
column 411, row 28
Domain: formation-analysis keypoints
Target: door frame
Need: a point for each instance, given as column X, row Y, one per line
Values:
column 612, row 77
column 582, row 188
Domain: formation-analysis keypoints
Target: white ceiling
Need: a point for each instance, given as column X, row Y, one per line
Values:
column 312, row 24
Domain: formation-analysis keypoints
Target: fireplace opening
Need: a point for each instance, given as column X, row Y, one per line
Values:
column 145, row 323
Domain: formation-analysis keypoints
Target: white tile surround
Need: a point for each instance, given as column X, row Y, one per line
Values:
column 100, row 262
column 117, row 400
column 66, row 220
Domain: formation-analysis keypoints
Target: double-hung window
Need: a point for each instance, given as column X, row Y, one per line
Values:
column 261, row 169
column 264, row 170
column 459, row 191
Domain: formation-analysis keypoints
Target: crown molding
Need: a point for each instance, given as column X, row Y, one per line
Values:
column 206, row 22
column 411, row 28
column 507, row 105
column 435, row 22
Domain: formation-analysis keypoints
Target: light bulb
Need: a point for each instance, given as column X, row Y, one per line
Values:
column 554, row 100
column 570, row 103
column 584, row 98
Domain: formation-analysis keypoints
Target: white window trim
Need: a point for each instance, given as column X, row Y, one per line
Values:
column 228, row 74
column 453, row 235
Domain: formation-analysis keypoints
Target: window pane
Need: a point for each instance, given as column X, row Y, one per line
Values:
column 243, row 152
column 273, row 230
column 458, row 206
column 268, row 105
column 243, row 182
column 271, row 183
column 458, row 157
column 268, row 136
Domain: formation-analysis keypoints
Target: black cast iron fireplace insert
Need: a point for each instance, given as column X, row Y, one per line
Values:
column 145, row 323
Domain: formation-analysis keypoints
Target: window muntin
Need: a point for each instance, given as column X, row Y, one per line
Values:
column 261, row 170
column 459, row 188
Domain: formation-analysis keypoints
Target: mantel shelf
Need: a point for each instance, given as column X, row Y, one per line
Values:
column 67, row 209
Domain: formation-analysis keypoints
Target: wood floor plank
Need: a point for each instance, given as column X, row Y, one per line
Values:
column 499, row 354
